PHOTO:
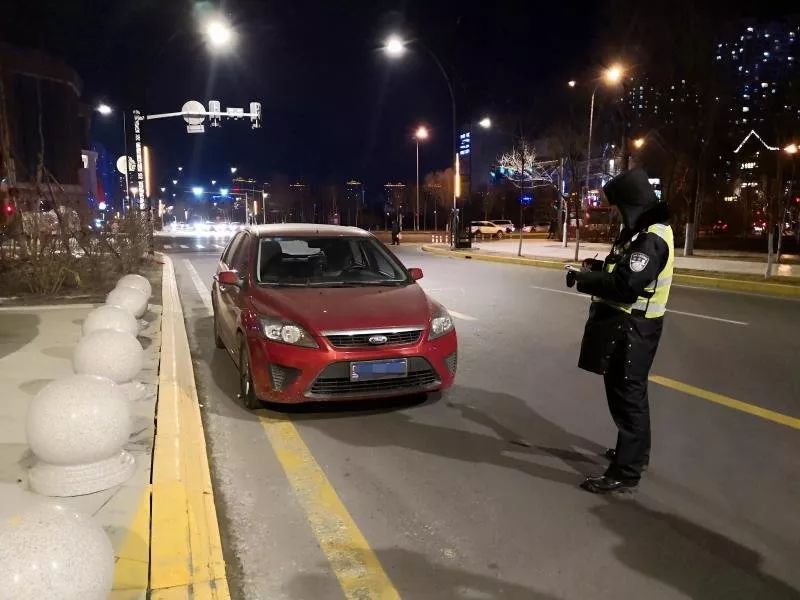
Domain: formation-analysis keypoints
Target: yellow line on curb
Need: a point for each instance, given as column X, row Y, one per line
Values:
column 133, row 558
column 358, row 570
column 751, row 409
column 185, row 549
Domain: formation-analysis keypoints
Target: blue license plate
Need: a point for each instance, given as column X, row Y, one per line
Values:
column 378, row 369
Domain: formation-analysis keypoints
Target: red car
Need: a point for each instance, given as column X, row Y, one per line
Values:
column 321, row 312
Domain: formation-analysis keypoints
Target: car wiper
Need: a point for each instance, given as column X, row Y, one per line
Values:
column 383, row 283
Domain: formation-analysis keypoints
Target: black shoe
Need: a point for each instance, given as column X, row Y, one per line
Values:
column 611, row 454
column 600, row 484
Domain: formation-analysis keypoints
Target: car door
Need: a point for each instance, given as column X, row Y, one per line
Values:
column 229, row 296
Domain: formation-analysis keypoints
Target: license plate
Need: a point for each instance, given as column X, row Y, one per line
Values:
column 378, row 369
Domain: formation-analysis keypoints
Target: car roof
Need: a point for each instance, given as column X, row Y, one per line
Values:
column 306, row 229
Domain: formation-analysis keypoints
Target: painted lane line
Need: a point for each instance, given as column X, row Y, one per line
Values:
column 355, row 565
column 669, row 310
column 168, row 246
column 199, row 285
column 751, row 409
column 461, row 316
column 184, row 246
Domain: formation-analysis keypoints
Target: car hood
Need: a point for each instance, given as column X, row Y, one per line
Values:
column 337, row 309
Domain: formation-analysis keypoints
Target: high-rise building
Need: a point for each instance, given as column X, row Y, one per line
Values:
column 300, row 208
column 395, row 200
column 353, row 201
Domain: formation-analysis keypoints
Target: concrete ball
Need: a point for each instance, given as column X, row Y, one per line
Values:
column 137, row 282
column 116, row 355
column 131, row 299
column 110, row 317
column 78, row 419
column 48, row 551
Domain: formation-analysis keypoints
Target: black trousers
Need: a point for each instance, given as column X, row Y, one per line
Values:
column 630, row 409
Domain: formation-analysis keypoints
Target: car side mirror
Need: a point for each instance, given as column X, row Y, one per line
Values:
column 416, row 273
column 229, row 278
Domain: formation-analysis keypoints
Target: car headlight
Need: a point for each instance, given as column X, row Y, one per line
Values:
column 441, row 324
column 286, row 332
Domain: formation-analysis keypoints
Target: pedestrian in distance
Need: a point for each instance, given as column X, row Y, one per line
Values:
column 552, row 230
column 395, row 233
column 629, row 290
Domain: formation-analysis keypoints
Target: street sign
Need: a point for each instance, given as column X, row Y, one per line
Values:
column 526, row 200
column 121, row 164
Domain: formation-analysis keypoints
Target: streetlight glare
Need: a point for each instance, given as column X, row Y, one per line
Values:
column 613, row 74
column 791, row 149
column 485, row 122
column 572, row 83
column 219, row 33
column 213, row 182
column 638, row 142
column 421, row 133
column 134, row 190
column 174, row 182
column 233, row 170
column 104, row 109
column 395, row 46
column 223, row 191
column 197, row 191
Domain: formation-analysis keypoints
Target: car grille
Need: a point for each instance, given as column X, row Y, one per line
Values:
column 452, row 363
column 335, row 381
column 361, row 339
column 282, row 376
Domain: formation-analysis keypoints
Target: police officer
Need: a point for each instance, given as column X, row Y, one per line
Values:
column 629, row 292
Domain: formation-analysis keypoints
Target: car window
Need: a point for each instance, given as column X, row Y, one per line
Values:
column 331, row 262
column 231, row 248
column 240, row 255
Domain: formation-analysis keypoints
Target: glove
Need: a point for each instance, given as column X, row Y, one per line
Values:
column 571, row 278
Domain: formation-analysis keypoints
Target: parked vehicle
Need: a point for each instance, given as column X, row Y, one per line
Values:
column 487, row 228
column 538, row 227
column 507, row 225
column 322, row 312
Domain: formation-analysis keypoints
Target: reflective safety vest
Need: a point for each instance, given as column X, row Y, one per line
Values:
column 653, row 305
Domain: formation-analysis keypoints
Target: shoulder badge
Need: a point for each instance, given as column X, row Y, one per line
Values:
column 638, row 261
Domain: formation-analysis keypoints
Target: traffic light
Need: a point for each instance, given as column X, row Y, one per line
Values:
column 8, row 212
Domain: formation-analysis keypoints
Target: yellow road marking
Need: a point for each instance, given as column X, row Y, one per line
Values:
column 186, row 553
column 751, row 409
column 358, row 570
column 133, row 558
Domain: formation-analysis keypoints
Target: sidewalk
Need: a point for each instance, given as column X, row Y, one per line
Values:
column 704, row 260
column 36, row 346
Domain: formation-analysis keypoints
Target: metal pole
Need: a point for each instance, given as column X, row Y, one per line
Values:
column 522, row 194
column 416, row 215
column 127, row 166
column 579, row 207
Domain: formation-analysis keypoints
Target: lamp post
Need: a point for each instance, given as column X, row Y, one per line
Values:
column 419, row 136
column 106, row 110
column 395, row 47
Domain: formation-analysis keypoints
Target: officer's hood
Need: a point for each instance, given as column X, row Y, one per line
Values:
column 632, row 193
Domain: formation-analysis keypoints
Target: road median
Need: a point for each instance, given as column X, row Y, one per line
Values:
column 786, row 288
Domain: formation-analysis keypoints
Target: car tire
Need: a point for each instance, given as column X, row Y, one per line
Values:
column 499, row 235
column 217, row 339
column 247, row 391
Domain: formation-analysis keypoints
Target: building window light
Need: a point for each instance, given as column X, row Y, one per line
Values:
column 719, row 57
column 764, row 84
column 750, row 29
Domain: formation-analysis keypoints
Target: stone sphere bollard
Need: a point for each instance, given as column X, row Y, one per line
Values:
column 110, row 317
column 77, row 427
column 48, row 551
column 116, row 355
column 131, row 299
column 137, row 282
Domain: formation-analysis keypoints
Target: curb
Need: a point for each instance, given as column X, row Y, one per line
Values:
column 700, row 281
column 185, row 548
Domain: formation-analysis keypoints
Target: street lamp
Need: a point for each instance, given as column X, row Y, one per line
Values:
column 791, row 149
column 485, row 122
column 134, row 190
column 213, row 182
column 419, row 136
column 572, row 83
column 395, row 47
column 638, row 142
column 233, row 170
column 174, row 182
column 180, row 169
column 105, row 110
column 223, row 191
column 197, row 191
column 163, row 189
column 218, row 33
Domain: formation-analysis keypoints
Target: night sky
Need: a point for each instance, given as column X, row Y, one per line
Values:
column 334, row 106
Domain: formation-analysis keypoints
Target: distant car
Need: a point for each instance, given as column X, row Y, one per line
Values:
column 321, row 312
column 487, row 228
column 540, row 227
column 719, row 227
column 508, row 226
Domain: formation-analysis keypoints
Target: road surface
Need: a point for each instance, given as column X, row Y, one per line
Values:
column 474, row 494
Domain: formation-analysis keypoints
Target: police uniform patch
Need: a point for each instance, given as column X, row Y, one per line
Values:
column 638, row 261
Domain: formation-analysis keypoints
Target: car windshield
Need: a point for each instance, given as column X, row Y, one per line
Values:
column 327, row 262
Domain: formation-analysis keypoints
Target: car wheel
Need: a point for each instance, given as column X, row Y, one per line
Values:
column 246, row 390
column 499, row 235
column 217, row 339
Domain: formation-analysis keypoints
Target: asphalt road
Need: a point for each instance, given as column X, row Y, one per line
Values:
column 474, row 494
